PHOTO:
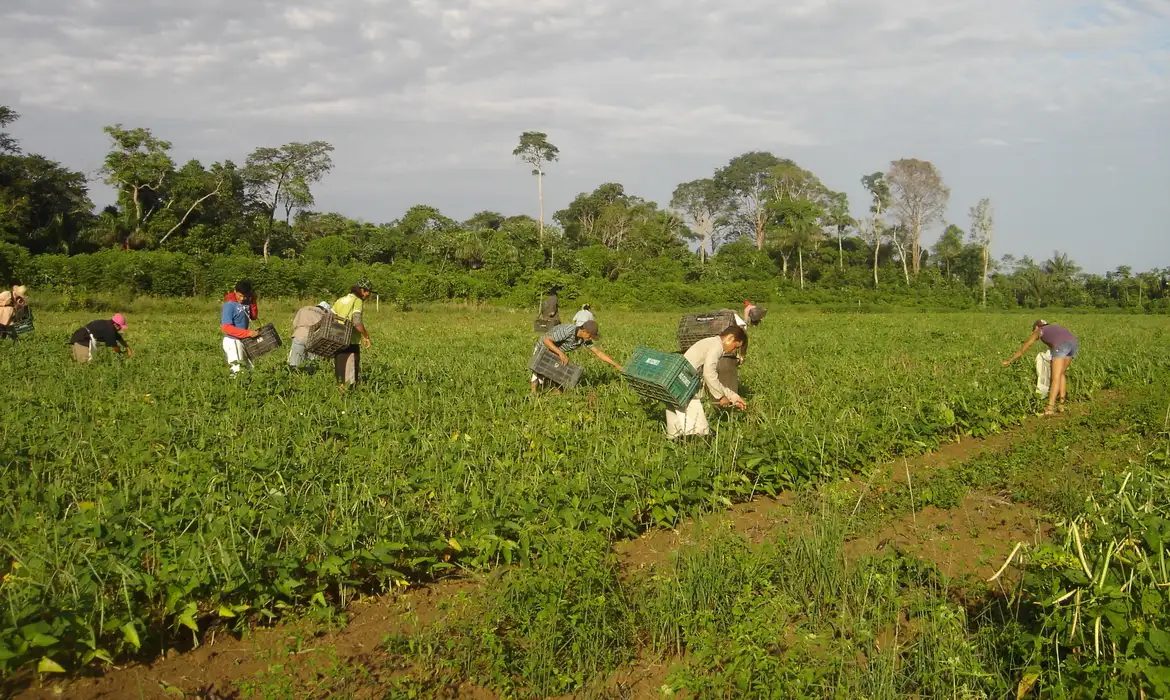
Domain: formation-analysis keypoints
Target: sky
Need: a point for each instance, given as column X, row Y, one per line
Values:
column 1057, row 110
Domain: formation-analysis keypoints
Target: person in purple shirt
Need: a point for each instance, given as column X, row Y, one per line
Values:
column 1064, row 347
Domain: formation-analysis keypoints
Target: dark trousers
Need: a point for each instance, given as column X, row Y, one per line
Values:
column 347, row 364
column 728, row 370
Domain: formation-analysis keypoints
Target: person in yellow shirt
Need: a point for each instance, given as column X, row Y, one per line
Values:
column 347, row 361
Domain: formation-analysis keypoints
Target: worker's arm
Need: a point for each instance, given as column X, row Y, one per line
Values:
column 237, row 333
column 361, row 328
column 1023, row 348
column 711, row 378
column 548, row 343
column 605, row 358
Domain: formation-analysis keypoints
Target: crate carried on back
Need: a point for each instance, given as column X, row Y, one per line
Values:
column 266, row 342
column 330, row 334
column 662, row 376
column 545, row 363
column 694, row 327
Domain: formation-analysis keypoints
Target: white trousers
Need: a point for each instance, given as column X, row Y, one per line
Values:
column 237, row 359
column 692, row 421
column 1043, row 372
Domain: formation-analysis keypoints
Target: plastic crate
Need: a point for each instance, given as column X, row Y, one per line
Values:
column 22, row 321
column 662, row 376
column 694, row 327
column 330, row 334
column 545, row 363
column 266, row 342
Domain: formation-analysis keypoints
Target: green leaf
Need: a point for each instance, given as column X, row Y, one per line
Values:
column 130, row 634
column 47, row 665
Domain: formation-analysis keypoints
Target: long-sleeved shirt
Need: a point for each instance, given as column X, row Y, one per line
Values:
column 303, row 321
column 233, row 320
column 704, row 357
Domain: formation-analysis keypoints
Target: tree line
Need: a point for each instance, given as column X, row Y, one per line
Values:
column 760, row 222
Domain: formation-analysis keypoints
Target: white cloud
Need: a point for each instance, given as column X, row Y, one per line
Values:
column 660, row 91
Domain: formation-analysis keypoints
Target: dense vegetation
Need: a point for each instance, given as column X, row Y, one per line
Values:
column 148, row 499
column 760, row 226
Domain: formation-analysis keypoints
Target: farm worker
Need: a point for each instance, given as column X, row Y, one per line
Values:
column 1064, row 346
column 106, row 331
column 234, row 317
column 566, row 338
column 550, row 309
column 347, row 362
column 13, row 303
column 704, row 356
column 303, row 321
column 246, row 295
column 754, row 314
column 585, row 314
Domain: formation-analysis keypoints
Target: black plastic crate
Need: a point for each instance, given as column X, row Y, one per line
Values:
column 694, row 327
column 545, row 363
column 330, row 334
column 266, row 342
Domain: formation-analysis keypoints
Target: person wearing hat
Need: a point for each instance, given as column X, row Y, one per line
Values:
column 303, row 321
column 705, row 357
column 347, row 361
column 237, row 312
column 567, row 337
column 585, row 314
column 1064, row 346
column 106, row 331
column 13, row 308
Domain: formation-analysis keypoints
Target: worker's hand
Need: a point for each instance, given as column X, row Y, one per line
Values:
column 253, row 334
column 129, row 352
column 740, row 404
column 366, row 342
column 1006, row 363
column 563, row 358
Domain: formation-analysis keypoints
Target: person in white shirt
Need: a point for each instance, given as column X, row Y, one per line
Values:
column 585, row 314
column 704, row 356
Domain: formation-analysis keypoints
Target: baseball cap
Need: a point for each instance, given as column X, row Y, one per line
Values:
column 591, row 327
column 325, row 305
column 365, row 283
column 119, row 320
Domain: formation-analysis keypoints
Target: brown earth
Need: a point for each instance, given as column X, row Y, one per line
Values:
column 306, row 661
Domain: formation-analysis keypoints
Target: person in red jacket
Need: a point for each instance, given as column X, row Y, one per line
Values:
column 239, row 308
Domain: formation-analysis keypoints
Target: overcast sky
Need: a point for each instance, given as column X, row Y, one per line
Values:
column 1057, row 110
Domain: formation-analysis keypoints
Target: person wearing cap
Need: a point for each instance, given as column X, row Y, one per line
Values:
column 754, row 314
column 106, row 331
column 705, row 357
column 567, row 337
column 347, row 361
column 585, row 314
column 234, row 317
column 303, row 321
column 1064, row 346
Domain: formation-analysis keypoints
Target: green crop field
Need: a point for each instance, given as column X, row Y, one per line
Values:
column 146, row 500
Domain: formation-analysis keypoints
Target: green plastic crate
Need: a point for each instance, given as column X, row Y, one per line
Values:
column 662, row 376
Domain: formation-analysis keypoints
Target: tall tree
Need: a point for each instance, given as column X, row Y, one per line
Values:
column 138, row 166
column 535, row 150
column 743, row 182
column 7, row 143
column 283, row 176
column 700, row 202
column 796, row 209
column 919, row 198
column 837, row 216
column 879, row 195
column 948, row 248
column 982, row 225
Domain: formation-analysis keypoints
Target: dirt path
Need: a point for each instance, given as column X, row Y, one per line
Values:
column 972, row 539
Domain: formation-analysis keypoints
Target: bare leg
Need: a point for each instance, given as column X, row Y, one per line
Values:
column 1057, row 384
column 1064, row 383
